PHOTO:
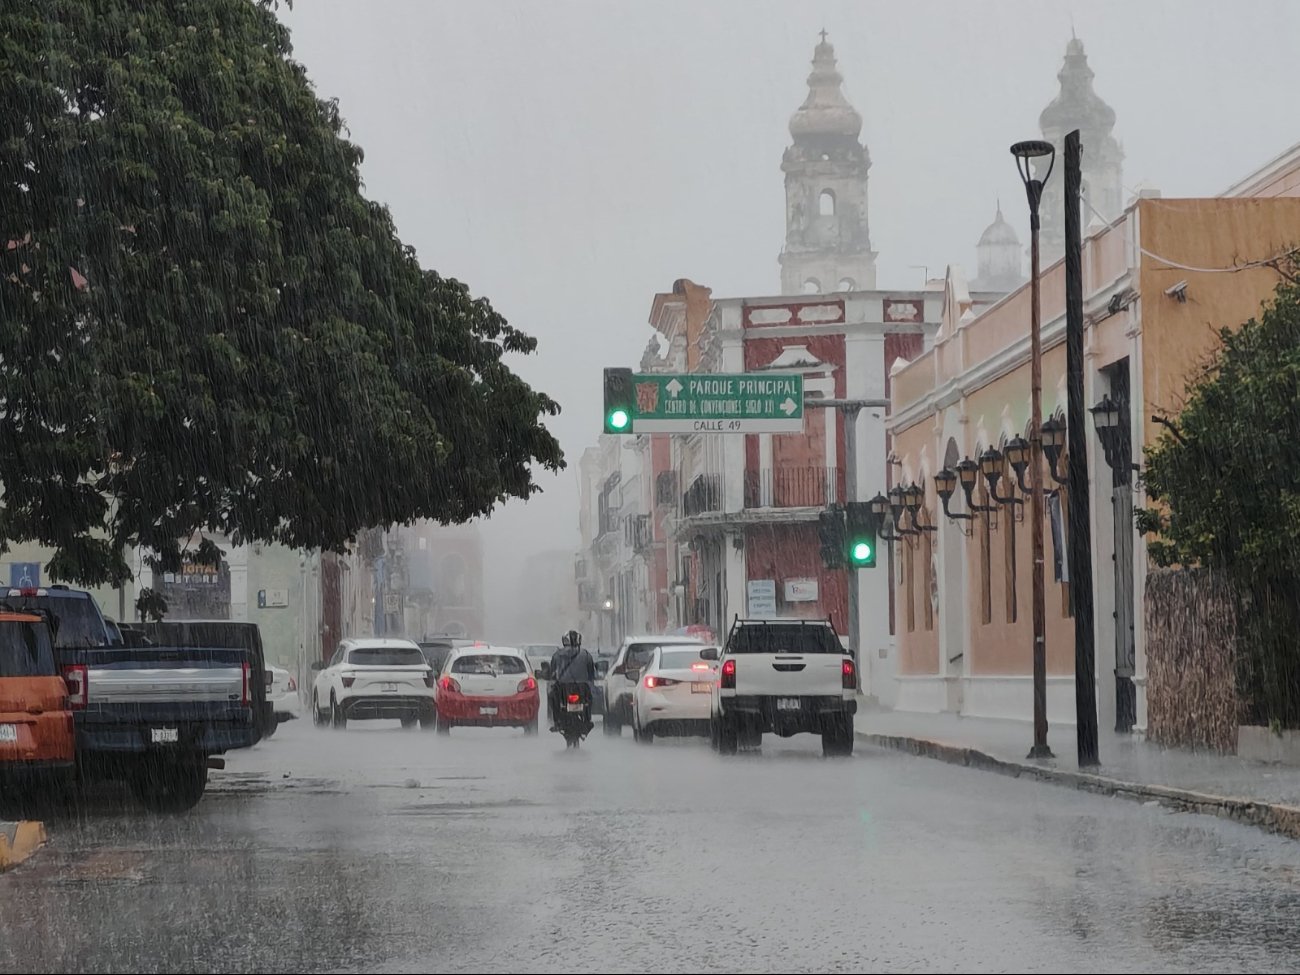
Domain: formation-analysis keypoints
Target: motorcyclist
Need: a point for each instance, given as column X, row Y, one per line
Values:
column 571, row 664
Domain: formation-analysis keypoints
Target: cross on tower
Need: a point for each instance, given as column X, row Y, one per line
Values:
column 823, row 35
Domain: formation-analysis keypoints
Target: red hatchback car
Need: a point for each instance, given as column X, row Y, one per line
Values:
column 37, row 738
column 487, row 687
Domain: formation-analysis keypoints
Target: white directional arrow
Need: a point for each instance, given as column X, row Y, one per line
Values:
column 789, row 406
column 674, row 387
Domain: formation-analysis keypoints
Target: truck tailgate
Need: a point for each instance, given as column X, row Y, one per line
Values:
column 154, row 675
column 789, row 674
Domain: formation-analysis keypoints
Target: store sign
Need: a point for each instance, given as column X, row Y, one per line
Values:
column 762, row 598
column 801, row 590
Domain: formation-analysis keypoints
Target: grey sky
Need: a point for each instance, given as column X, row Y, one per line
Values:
column 569, row 159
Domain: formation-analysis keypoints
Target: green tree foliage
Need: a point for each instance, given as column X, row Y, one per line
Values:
column 1227, row 480
column 203, row 321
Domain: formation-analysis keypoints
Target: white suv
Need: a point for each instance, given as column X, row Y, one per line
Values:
column 374, row 677
column 783, row 677
column 625, row 671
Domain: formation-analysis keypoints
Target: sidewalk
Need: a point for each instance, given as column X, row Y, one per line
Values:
column 1262, row 795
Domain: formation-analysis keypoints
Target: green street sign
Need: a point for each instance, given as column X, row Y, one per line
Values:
column 717, row 403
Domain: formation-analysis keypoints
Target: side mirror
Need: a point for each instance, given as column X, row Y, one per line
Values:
column 543, row 671
column 632, row 675
column 318, row 665
column 620, row 669
column 602, row 668
column 709, row 653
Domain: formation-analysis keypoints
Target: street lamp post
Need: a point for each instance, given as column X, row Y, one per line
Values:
column 1025, row 153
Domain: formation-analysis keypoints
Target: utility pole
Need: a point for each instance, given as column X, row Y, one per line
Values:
column 849, row 408
column 1080, row 530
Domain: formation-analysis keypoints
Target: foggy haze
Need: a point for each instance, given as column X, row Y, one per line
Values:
column 568, row 161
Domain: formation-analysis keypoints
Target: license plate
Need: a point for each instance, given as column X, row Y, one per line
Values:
column 487, row 710
column 8, row 732
column 389, row 688
column 701, row 687
column 165, row 736
column 787, row 704
column 573, row 707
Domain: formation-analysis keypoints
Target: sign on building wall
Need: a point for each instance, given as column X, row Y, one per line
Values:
column 24, row 575
column 272, row 598
column 800, row 590
column 904, row 310
column 762, row 598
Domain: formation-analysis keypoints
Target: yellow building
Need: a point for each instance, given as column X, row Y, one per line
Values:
column 1159, row 280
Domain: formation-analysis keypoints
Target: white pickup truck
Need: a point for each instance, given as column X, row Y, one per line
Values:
column 783, row 677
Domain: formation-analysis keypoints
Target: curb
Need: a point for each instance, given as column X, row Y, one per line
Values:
column 1274, row 817
column 18, row 841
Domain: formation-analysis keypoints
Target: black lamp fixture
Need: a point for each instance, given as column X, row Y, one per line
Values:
column 897, row 505
column 1017, row 453
column 881, row 510
column 1054, row 432
column 914, row 497
column 991, row 468
column 1106, row 416
column 1025, row 153
column 945, row 485
column 968, row 475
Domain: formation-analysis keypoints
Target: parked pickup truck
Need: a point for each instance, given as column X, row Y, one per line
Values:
column 155, row 716
column 783, row 677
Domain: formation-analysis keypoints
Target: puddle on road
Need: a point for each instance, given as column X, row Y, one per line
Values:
column 462, row 808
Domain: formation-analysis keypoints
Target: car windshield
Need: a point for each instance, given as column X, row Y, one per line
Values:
column 80, row 623
column 680, row 659
column 488, row 663
column 25, row 650
column 387, row 657
column 784, row 638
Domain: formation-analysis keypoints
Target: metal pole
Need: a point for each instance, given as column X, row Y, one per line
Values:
column 1040, row 749
column 1080, row 530
column 851, row 494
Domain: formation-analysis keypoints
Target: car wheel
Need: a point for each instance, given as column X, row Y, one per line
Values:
column 172, row 788
column 338, row 718
column 531, row 727
column 317, row 717
column 270, row 729
column 611, row 725
column 646, row 735
column 410, row 722
column 444, row 726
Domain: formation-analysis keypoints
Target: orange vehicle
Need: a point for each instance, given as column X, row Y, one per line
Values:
column 37, row 736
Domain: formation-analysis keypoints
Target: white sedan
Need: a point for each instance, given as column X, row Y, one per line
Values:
column 672, row 696
column 283, row 694
column 374, row 677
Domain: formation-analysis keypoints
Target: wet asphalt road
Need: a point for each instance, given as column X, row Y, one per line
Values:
column 382, row 850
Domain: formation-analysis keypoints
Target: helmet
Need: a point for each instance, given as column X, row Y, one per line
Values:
column 571, row 639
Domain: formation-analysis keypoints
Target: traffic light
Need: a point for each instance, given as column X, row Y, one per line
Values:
column 860, row 529
column 830, row 528
column 618, row 400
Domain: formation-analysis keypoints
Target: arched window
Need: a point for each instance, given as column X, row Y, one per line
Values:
column 846, row 284
column 812, row 287
column 826, row 203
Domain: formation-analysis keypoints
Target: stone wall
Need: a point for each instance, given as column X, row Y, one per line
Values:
column 1191, row 661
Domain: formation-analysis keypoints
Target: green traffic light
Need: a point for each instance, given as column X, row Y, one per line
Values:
column 618, row 420
column 861, row 552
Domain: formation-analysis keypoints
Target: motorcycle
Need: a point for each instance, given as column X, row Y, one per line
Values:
column 574, row 720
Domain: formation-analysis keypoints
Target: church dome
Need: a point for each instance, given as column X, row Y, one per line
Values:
column 825, row 112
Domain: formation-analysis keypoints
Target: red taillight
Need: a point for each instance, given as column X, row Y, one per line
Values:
column 848, row 675
column 349, row 681
column 653, row 681
column 293, row 684
column 528, row 684
column 575, row 698
column 449, row 684
column 77, row 680
column 728, row 678
column 29, row 591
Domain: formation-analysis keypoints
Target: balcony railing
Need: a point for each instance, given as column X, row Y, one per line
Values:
column 704, row 495
column 793, row 487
